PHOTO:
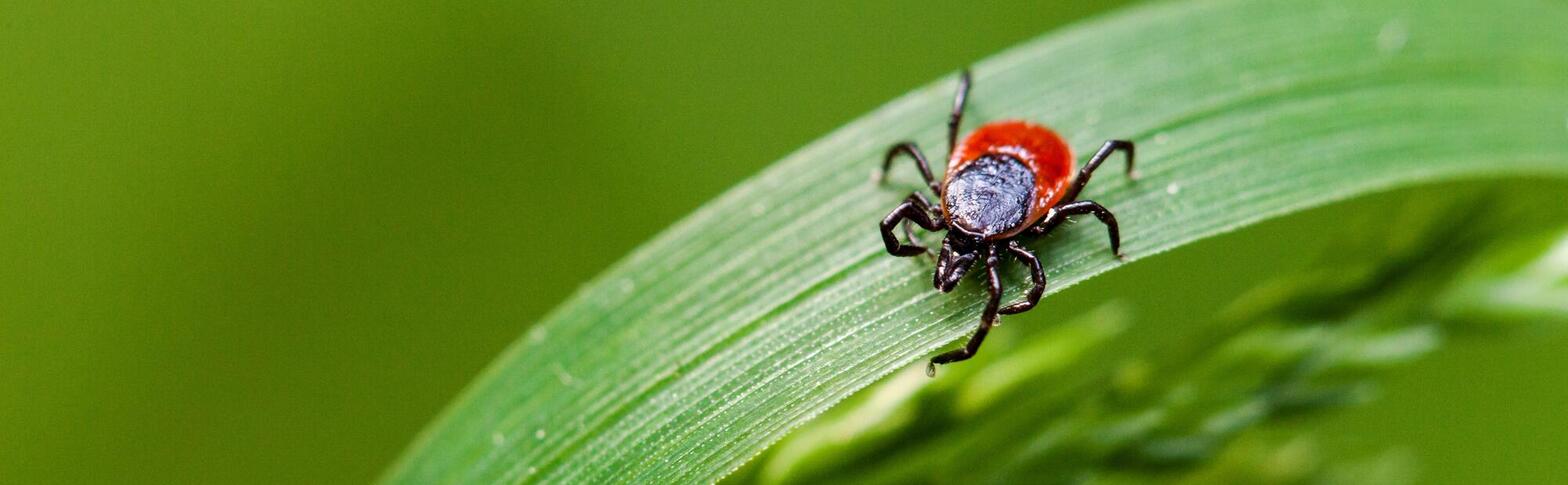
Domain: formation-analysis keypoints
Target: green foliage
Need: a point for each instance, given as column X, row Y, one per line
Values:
column 1299, row 343
column 774, row 302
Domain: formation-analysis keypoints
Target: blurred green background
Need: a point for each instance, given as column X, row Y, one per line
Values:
column 266, row 243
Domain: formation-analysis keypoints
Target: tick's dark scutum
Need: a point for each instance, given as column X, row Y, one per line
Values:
column 990, row 195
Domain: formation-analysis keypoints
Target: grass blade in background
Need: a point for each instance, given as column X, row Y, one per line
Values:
column 775, row 301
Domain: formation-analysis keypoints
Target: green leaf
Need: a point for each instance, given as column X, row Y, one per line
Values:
column 1115, row 394
column 775, row 301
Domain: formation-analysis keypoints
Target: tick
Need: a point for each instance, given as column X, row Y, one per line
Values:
column 1007, row 179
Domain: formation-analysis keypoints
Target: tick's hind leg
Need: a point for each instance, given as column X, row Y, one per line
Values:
column 917, row 209
column 1094, row 163
column 954, row 119
column 913, row 151
column 960, row 101
column 1060, row 213
column 987, row 319
column 1036, row 274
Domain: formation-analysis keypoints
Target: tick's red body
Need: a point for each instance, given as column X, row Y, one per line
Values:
column 1040, row 149
column 1006, row 179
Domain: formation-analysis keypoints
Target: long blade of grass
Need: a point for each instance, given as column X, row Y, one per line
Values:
column 775, row 301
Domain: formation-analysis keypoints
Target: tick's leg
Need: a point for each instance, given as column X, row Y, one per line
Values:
column 987, row 319
column 1094, row 162
column 1060, row 213
column 920, row 161
column 1036, row 273
column 960, row 100
column 909, row 235
column 916, row 209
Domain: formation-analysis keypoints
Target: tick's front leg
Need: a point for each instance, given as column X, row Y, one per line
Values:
column 987, row 319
